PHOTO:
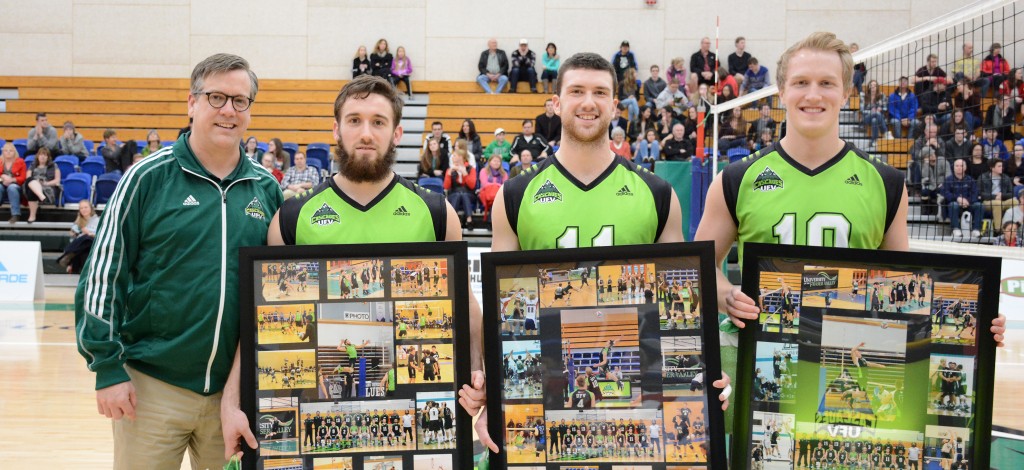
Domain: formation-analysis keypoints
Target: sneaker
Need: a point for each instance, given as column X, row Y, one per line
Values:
column 888, row 135
column 14, row 219
column 957, row 233
column 975, row 233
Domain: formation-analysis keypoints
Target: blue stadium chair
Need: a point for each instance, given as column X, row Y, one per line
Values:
column 314, row 163
column 142, row 144
column 291, row 148
column 21, row 145
column 649, row 166
column 320, row 152
column 434, row 184
column 737, row 154
column 105, row 185
column 506, row 166
column 3, row 142
column 67, row 164
column 90, row 147
column 166, row 143
column 262, row 146
column 77, row 187
column 94, row 166
column 29, row 160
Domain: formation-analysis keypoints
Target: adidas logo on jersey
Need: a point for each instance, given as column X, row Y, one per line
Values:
column 624, row 191
column 401, row 211
column 768, row 180
column 855, row 180
column 325, row 216
column 190, row 201
column 547, row 193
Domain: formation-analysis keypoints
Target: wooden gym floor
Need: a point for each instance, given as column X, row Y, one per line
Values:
column 48, row 407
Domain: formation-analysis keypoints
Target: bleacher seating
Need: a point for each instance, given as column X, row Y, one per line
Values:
column 68, row 166
column 105, row 185
column 77, row 186
column 94, row 165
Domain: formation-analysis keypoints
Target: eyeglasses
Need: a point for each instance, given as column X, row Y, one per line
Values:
column 218, row 100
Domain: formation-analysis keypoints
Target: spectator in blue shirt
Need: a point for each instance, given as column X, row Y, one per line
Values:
column 903, row 109
column 755, row 78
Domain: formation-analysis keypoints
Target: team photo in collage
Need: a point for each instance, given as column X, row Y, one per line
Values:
column 859, row 365
column 355, row 361
column 603, row 363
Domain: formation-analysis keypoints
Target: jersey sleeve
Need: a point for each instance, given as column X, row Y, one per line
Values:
column 436, row 204
column 732, row 176
column 660, row 189
column 893, row 181
column 514, row 190
column 288, row 216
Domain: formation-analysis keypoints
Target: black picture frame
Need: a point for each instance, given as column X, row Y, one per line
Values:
column 868, row 389
column 639, row 327
column 372, row 310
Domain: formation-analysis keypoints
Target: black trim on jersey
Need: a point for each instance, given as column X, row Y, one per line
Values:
column 290, row 209
column 515, row 188
column 732, row 176
column 893, row 181
column 777, row 146
column 579, row 184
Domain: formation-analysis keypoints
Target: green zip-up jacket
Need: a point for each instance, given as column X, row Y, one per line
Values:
column 159, row 291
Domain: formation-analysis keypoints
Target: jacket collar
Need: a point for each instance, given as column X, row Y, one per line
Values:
column 187, row 160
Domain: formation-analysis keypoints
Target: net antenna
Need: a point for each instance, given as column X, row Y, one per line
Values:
column 916, row 42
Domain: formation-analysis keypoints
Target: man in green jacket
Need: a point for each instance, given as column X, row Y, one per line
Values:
column 156, row 311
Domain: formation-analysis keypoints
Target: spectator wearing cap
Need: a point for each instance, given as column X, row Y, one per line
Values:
column 523, row 65
column 493, row 67
column 42, row 135
column 928, row 74
column 936, row 101
column 72, row 143
column 623, row 59
column 499, row 146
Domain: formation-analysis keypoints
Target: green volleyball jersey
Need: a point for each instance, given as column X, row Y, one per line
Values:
column 403, row 212
column 549, row 208
column 849, row 202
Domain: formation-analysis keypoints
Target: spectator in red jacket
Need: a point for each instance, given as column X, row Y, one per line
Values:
column 994, row 67
column 1014, row 87
column 12, row 176
column 460, row 182
column 268, row 162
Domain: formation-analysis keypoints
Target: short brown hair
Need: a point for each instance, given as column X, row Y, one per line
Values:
column 221, row 63
column 365, row 85
column 739, row 38
column 586, row 61
column 109, row 133
column 820, row 41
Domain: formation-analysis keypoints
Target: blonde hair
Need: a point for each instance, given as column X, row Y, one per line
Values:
column 819, row 41
column 80, row 221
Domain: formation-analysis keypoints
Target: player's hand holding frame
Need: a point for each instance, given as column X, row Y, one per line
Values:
column 117, row 401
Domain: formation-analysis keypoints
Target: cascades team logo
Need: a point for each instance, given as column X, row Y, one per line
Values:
column 255, row 210
column 547, row 193
column 768, row 180
column 325, row 216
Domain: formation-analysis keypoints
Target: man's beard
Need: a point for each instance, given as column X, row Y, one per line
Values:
column 365, row 170
column 599, row 136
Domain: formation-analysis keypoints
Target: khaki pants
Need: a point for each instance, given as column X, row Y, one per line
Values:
column 168, row 420
column 998, row 208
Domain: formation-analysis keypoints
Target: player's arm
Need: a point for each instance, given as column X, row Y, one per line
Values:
column 673, row 231
column 717, row 225
column 503, row 238
column 473, row 396
column 274, row 231
column 234, row 423
column 896, row 238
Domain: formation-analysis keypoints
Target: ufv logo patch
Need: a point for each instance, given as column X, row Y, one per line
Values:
column 255, row 210
column 547, row 193
column 768, row 180
column 325, row 216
